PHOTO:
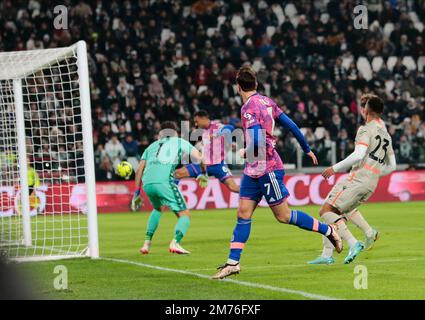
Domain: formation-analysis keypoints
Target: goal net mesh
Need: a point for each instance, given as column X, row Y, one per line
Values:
column 54, row 151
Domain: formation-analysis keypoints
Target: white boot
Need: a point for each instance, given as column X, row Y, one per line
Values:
column 177, row 248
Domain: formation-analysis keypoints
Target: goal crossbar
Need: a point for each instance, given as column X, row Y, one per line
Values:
column 27, row 64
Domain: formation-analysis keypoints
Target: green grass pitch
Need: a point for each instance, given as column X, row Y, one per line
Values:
column 273, row 263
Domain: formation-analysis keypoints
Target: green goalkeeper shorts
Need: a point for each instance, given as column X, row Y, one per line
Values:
column 165, row 194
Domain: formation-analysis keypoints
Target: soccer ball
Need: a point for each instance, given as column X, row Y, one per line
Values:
column 124, row 170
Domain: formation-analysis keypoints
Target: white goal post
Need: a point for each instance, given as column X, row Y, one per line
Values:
column 47, row 180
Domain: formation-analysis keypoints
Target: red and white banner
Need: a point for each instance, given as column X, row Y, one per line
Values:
column 115, row 196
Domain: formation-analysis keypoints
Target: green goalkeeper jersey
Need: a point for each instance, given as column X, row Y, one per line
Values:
column 162, row 157
column 33, row 179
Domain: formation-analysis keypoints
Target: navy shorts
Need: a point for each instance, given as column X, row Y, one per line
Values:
column 220, row 170
column 270, row 186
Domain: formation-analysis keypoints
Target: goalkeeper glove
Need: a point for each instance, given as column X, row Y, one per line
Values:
column 136, row 201
column 202, row 180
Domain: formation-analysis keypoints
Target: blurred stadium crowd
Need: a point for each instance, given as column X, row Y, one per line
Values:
column 152, row 61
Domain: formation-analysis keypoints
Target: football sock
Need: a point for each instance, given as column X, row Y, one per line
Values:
column 328, row 248
column 181, row 228
column 239, row 238
column 304, row 221
column 153, row 222
column 343, row 231
column 357, row 218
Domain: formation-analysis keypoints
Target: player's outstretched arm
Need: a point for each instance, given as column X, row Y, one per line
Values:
column 136, row 201
column 203, row 177
column 342, row 166
column 139, row 173
column 224, row 129
column 287, row 123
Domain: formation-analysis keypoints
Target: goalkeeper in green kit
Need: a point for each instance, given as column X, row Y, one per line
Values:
column 156, row 171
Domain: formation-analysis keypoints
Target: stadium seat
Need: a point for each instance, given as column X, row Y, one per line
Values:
column 377, row 63
column 324, row 18
column 186, row 11
column 165, row 35
column 246, row 9
column 389, row 85
column 238, row 99
column 364, row 68
column 391, row 62
column 257, row 65
column 266, row 89
column 270, row 31
column 409, row 63
column 346, row 61
column 202, row 89
column 413, row 16
column 240, row 32
column 295, row 20
column 290, row 10
column 375, row 26
column 419, row 26
column 220, row 20
column 236, row 22
column 421, row 63
column 211, row 31
column 133, row 161
column 278, row 11
column 388, row 29
column 319, row 133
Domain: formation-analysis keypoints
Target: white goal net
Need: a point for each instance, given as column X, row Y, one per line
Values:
column 47, row 187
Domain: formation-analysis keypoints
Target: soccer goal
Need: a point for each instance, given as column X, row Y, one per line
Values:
column 47, row 182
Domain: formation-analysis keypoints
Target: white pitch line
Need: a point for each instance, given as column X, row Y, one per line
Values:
column 241, row 283
column 365, row 262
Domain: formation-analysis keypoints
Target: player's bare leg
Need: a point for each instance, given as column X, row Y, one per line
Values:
column 152, row 225
column 231, row 184
column 284, row 214
column 240, row 237
column 179, row 231
column 371, row 234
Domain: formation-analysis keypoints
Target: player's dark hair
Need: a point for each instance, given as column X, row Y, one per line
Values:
column 168, row 129
column 169, row 125
column 201, row 114
column 364, row 98
column 246, row 79
column 375, row 104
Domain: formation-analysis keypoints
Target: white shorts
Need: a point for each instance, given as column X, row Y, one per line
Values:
column 348, row 195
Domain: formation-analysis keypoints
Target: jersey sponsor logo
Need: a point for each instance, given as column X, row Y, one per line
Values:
column 249, row 117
